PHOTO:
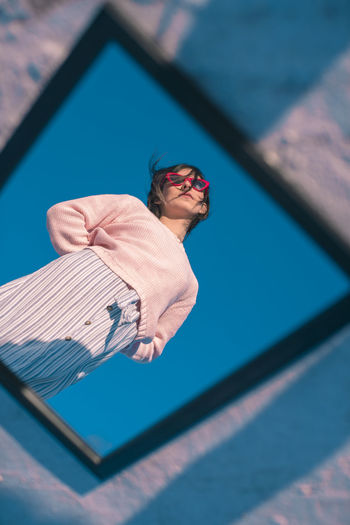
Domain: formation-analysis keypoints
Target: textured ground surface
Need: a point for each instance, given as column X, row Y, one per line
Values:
column 280, row 455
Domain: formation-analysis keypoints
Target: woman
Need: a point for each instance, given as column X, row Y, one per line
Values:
column 123, row 282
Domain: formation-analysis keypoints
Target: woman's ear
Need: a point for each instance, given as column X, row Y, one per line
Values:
column 203, row 208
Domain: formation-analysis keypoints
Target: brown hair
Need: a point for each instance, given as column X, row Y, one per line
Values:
column 156, row 193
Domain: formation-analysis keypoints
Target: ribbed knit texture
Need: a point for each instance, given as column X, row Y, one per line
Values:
column 139, row 248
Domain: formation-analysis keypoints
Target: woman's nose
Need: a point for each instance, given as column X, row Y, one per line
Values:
column 186, row 183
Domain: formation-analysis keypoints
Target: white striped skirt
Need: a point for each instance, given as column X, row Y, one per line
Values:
column 62, row 321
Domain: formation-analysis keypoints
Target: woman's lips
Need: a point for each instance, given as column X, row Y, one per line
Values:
column 186, row 195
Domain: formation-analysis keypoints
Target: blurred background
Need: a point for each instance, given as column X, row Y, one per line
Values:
column 280, row 71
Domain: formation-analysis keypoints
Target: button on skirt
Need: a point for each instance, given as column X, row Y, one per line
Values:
column 62, row 321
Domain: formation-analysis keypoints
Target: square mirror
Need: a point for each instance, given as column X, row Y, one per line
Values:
column 261, row 275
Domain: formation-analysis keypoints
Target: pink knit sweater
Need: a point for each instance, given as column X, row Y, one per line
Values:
column 139, row 248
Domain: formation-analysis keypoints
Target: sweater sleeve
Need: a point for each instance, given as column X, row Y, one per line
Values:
column 168, row 324
column 70, row 223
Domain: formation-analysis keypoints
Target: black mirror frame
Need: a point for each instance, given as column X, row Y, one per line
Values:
column 111, row 25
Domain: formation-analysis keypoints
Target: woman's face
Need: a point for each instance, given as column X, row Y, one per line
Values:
column 183, row 201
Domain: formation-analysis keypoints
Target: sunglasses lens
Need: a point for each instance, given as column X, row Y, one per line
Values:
column 199, row 184
column 176, row 179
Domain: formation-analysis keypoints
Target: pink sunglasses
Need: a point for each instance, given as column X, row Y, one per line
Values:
column 176, row 179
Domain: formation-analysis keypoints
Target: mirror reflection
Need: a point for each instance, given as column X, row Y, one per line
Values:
column 110, row 265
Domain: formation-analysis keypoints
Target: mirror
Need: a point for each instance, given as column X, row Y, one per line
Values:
column 260, row 276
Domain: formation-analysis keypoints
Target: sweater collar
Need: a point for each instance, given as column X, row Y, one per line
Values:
column 172, row 233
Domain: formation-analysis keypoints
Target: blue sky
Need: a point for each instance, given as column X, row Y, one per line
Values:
column 260, row 276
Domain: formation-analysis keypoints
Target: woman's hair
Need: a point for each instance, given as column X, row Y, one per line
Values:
column 156, row 191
